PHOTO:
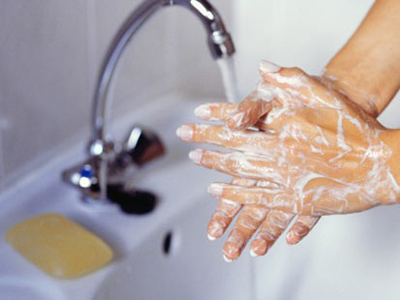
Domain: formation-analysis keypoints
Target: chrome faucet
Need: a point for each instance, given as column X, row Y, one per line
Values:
column 107, row 164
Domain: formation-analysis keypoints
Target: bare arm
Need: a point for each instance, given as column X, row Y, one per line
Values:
column 367, row 68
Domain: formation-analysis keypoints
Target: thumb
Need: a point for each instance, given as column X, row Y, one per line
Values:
column 250, row 110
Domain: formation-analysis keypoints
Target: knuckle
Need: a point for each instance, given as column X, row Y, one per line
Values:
column 293, row 71
column 297, row 71
column 258, row 213
column 268, row 235
column 279, row 220
column 301, row 229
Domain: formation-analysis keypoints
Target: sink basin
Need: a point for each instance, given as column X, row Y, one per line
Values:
column 177, row 261
column 12, row 288
column 163, row 254
column 166, row 254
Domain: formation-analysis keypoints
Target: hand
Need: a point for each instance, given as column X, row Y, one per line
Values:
column 272, row 223
column 326, row 154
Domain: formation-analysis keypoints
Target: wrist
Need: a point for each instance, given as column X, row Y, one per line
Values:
column 392, row 139
column 353, row 88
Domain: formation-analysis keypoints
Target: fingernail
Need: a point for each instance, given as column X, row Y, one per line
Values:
column 215, row 229
column 258, row 246
column 195, row 155
column 185, row 132
column 292, row 238
column 253, row 253
column 211, row 238
column 236, row 120
column 269, row 67
column 203, row 111
column 215, row 189
column 227, row 259
column 230, row 202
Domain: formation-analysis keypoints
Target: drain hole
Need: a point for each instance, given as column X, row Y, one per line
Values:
column 167, row 244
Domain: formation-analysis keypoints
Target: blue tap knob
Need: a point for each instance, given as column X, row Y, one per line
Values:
column 86, row 171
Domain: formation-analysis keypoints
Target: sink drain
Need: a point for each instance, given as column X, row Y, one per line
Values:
column 167, row 243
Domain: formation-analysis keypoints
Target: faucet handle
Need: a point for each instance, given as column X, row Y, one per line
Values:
column 140, row 146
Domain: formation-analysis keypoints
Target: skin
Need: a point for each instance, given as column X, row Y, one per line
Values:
column 271, row 224
column 324, row 154
column 359, row 74
column 366, row 69
column 252, row 217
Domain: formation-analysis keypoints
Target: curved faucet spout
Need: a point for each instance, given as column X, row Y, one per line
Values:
column 219, row 41
column 107, row 164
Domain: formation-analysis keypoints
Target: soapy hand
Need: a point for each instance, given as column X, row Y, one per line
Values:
column 324, row 154
column 271, row 223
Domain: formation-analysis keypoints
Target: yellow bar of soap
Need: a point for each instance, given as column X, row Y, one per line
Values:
column 59, row 246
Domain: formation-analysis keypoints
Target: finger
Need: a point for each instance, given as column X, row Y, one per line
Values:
column 237, row 164
column 246, row 225
column 274, row 225
column 301, row 228
column 225, row 212
column 270, row 197
column 298, row 83
column 249, row 111
column 244, row 140
column 215, row 111
column 222, row 218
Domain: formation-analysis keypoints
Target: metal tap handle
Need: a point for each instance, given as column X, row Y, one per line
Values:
column 141, row 146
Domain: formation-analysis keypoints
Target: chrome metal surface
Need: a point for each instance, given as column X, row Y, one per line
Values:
column 219, row 41
column 106, row 163
column 119, row 160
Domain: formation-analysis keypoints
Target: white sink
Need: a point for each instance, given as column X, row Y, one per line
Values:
column 345, row 257
column 189, row 267
column 194, row 267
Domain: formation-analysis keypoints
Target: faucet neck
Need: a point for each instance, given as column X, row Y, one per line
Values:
column 219, row 41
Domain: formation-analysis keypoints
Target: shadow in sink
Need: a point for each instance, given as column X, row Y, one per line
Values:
column 177, row 261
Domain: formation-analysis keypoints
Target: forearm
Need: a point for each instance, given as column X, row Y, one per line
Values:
column 367, row 68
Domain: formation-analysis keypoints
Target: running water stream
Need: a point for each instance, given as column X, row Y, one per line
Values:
column 227, row 68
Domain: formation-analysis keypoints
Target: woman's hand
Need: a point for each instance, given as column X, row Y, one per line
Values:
column 324, row 154
column 366, row 69
column 271, row 223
